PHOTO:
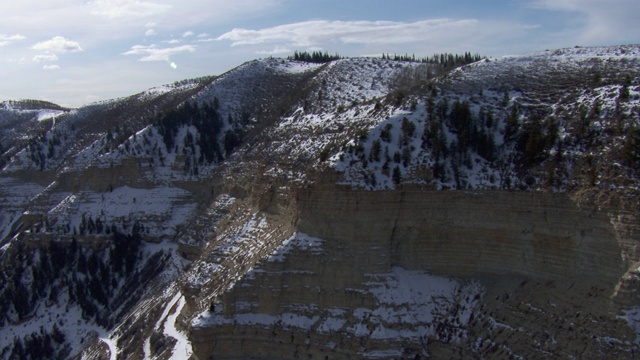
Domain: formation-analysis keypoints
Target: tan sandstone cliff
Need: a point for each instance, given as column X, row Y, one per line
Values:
column 540, row 274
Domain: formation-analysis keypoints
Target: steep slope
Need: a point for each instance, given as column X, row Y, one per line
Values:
column 298, row 204
column 557, row 122
column 61, row 260
column 412, row 273
column 98, row 180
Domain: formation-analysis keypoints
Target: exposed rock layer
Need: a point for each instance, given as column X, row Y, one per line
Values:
column 469, row 233
column 539, row 256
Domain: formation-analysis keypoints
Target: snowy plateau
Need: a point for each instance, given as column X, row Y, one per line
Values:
column 356, row 208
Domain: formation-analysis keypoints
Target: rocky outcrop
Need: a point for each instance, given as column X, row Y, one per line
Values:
column 469, row 233
column 486, row 273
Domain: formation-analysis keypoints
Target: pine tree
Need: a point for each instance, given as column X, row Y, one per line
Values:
column 408, row 130
column 631, row 148
column 397, row 176
column 374, row 155
column 534, row 142
column 511, row 124
column 385, row 134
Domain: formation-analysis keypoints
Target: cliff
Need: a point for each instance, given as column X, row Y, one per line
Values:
column 409, row 272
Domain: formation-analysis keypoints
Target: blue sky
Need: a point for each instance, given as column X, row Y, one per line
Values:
column 74, row 52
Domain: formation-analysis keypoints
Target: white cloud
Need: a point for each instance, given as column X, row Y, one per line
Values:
column 153, row 53
column 313, row 33
column 603, row 21
column 173, row 65
column 188, row 34
column 20, row 61
column 150, row 28
column 58, row 44
column 94, row 22
column 51, row 67
column 45, row 58
column 114, row 9
column 276, row 51
column 353, row 38
column 173, row 41
column 205, row 40
column 9, row 39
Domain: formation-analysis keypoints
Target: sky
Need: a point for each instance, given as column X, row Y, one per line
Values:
column 76, row 52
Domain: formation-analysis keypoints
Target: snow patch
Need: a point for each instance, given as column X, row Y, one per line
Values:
column 182, row 349
column 166, row 208
column 632, row 317
column 49, row 114
column 298, row 241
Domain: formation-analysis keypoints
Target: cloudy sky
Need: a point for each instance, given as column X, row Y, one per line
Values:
column 74, row 52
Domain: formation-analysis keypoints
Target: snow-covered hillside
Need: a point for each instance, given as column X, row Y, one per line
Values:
column 111, row 198
column 520, row 121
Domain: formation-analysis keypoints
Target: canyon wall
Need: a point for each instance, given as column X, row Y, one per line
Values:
column 519, row 274
column 469, row 233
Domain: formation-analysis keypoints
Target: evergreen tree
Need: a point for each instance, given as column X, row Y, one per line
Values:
column 397, row 176
column 314, row 57
column 385, row 134
column 624, row 90
column 631, row 148
column 408, row 130
column 511, row 124
column 460, row 117
column 532, row 142
column 374, row 155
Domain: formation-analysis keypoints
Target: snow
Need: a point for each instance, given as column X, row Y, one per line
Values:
column 409, row 287
column 182, row 349
column 289, row 320
column 582, row 53
column 167, row 323
column 408, row 302
column 299, row 241
column 241, row 243
column 15, row 196
column 331, row 325
column 49, row 114
column 481, row 174
column 65, row 317
column 296, row 67
column 632, row 317
column 479, row 85
column 251, row 84
column 112, row 345
column 161, row 209
column 382, row 354
column 79, row 331
column 147, row 151
column 36, row 114
column 343, row 98
column 163, row 89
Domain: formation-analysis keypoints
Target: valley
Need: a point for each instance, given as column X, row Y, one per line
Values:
column 356, row 208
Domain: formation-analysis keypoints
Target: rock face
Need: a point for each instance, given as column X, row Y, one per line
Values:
column 417, row 273
column 541, row 234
